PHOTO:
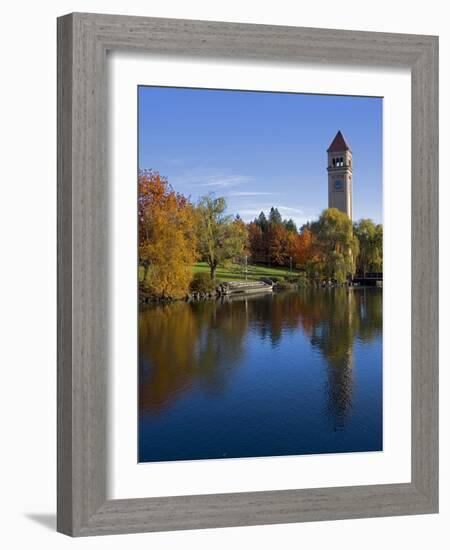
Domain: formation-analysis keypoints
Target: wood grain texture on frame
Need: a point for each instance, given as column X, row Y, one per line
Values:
column 83, row 41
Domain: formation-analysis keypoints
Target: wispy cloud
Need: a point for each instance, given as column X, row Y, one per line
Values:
column 289, row 209
column 226, row 181
column 249, row 193
column 175, row 161
column 248, row 213
column 208, row 178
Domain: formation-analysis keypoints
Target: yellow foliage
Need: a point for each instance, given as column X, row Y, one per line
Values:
column 167, row 242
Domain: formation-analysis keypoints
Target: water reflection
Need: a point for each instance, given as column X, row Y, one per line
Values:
column 186, row 348
column 334, row 319
column 181, row 345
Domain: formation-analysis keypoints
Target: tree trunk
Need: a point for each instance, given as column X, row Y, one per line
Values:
column 146, row 266
column 213, row 272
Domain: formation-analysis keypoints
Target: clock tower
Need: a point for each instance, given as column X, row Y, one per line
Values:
column 340, row 175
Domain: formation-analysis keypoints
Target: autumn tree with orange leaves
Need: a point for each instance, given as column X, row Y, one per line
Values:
column 256, row 242
column 276, row 241
column 304, row 250
column 277, row 236
column 167, row 237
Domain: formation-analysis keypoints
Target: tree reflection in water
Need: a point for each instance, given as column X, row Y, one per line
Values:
column 182, row 345
column 334, row 319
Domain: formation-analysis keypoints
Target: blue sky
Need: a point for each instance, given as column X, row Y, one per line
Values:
column 261, row 149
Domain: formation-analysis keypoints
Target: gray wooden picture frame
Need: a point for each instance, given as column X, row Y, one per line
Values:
column 83, row 41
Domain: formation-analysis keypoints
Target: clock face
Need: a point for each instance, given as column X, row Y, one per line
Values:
column 339, row 185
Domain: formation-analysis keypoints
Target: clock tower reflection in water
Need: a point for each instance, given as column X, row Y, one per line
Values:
column 340, row 175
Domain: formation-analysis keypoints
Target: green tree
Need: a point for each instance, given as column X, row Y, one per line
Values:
column 378, row 263
column 290, row 225
column 370, row 238
column 220, row 237
column 335, row 244
column 262, row 222
column 275, row 216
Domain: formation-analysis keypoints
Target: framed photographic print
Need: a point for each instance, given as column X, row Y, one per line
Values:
column 260, row 302
column 247, row 274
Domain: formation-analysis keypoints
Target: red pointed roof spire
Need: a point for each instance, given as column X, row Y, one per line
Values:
column 338, row 144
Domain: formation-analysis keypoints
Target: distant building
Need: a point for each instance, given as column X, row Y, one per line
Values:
column 340, row 175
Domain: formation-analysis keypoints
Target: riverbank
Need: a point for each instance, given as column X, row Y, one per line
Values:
column 221, row 292
column 231, row 273
column 280, row 278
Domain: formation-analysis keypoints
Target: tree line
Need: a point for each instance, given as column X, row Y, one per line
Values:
column 174, row 233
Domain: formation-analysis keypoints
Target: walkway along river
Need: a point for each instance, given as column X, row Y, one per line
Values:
column 282, row 373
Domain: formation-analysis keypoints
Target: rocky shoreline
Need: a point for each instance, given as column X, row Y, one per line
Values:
column 147, row 298
column 222, row 291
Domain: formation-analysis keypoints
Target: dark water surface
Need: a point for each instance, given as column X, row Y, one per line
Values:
column 283, row 374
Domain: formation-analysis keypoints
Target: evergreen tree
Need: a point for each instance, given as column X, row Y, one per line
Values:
column 262, row 222
column 275, row 216
column 290, row 226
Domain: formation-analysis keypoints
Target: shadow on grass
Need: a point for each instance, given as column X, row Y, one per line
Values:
column 255, row 272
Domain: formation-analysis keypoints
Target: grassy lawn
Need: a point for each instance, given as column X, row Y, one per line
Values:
column 235, row 272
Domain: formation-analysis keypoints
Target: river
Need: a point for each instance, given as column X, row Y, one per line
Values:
column 288, row 373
